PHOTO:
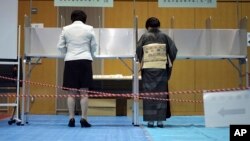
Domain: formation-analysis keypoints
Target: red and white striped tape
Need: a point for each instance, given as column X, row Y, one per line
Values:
column 97, row 94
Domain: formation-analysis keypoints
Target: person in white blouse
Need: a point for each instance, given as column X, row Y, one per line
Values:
column 78, row 42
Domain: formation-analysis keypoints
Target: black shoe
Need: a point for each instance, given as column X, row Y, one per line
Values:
column 160, row 124
column 71, row 122
column 84, row 123
column 150, row 124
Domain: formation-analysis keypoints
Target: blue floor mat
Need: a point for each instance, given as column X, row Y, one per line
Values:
column 187, row 128
column 110, row 128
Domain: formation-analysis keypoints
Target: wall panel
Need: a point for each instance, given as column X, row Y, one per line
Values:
column 119, row 16
column 44, row 72
column 244, row 10
column 221, row 16
column 213, row 74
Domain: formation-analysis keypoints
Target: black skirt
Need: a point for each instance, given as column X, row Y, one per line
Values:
column 78, row 74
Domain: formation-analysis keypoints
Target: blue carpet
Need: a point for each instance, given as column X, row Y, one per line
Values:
column 54, row 128
column 187, row 128
column 109, row 128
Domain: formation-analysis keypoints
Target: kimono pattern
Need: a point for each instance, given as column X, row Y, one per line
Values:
column 155, row 79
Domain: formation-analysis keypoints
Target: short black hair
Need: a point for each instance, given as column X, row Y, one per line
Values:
column 152, row 22
column 78, row 15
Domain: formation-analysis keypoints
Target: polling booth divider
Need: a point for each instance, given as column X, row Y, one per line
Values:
column 116, row 43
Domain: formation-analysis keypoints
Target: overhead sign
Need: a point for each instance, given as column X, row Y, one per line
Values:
column 187, row 3
column 84, row 3
column 223, row 109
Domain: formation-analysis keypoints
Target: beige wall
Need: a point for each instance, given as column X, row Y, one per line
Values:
column 44, row 72
column 187, row 74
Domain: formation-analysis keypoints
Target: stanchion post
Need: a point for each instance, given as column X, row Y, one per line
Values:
column 247, row 74
column 23, row 93
column 18, row 74
column 242, row 25
column 135, row 93
column 27, row 30
column 135, row 77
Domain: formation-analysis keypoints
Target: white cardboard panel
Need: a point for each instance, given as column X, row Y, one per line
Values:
column 226, row 108
column 8, row 29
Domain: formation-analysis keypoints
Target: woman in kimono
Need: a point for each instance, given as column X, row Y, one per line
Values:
column 156, row 52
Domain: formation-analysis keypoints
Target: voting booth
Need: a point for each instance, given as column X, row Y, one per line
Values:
column 120, row 43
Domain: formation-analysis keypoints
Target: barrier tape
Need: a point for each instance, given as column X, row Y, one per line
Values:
column 96, row 94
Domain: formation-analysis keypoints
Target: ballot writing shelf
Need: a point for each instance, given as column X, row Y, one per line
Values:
column 115, row 84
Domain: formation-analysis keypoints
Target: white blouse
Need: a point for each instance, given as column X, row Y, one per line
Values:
column 77, row 41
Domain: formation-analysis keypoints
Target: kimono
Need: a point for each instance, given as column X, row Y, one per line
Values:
column 156, row 52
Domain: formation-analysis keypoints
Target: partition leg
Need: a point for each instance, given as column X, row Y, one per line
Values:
column 23, row 97
column 136, row 94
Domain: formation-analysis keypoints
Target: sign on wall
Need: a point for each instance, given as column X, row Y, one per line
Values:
column 187, row 3
column 84, row 3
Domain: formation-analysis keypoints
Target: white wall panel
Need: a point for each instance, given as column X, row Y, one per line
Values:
column 8, row 29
